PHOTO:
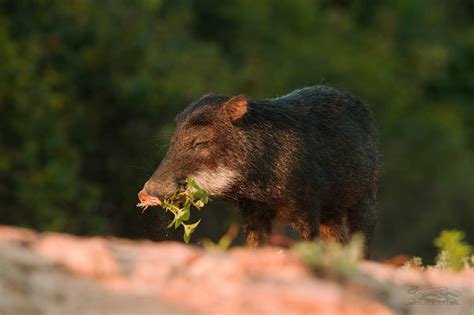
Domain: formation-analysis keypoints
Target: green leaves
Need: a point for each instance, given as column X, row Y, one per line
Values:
column 453, row 250
column 189, row 229
column 180, row 204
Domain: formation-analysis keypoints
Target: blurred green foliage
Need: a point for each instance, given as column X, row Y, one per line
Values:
column 331, row 258
column 88, row 90
column 453, row 253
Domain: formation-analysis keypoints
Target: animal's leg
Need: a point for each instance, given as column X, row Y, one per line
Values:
column 335, row 230
column 257, row 224
column 307, row 226
column 363, row 219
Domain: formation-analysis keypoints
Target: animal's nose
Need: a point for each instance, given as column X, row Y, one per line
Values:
column 148, row 200
column 143, row 195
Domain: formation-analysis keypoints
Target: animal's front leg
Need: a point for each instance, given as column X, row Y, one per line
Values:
column 256, row 236
column 257, row 224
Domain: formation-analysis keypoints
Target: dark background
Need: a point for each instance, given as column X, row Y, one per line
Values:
column 89, row 89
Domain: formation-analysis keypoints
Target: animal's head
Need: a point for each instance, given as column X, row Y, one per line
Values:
column 206, row 146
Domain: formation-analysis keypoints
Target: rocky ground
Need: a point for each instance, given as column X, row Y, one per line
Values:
column 63, row 274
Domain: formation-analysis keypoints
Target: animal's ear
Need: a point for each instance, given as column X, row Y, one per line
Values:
column 235, row 107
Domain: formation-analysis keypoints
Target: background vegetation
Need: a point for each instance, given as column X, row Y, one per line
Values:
column 88, row 90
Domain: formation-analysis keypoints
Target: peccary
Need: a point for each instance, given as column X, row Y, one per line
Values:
column 308, row 158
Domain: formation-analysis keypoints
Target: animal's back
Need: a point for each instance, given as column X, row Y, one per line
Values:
column 338, row 134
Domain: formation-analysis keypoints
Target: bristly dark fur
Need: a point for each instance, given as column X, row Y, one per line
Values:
column 308, row 158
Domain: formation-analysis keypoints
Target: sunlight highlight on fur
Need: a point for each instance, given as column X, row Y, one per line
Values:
column 216, row 181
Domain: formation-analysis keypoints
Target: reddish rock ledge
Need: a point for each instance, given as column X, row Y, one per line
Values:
column 50, row 273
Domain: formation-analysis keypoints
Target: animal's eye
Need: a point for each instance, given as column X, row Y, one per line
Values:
column 199, row 144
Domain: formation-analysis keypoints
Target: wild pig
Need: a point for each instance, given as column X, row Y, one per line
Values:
column 308, row 158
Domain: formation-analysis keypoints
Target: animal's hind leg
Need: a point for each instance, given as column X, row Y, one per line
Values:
column 363, row 219
column 307, row 226
column 336, row 230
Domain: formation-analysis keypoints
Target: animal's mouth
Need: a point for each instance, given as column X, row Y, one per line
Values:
column 147, row 201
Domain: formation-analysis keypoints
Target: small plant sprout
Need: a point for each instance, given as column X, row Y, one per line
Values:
column 225, row 241
column 180, row 204
column 331, row 257
column 453, row 250
column 442, row 261
column 415, row 262
column 454, row 253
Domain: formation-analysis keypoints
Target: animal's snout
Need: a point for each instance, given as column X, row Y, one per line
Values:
column 143, row 195
column 146, row 200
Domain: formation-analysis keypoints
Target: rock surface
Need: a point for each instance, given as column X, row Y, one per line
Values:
column 62, row 274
